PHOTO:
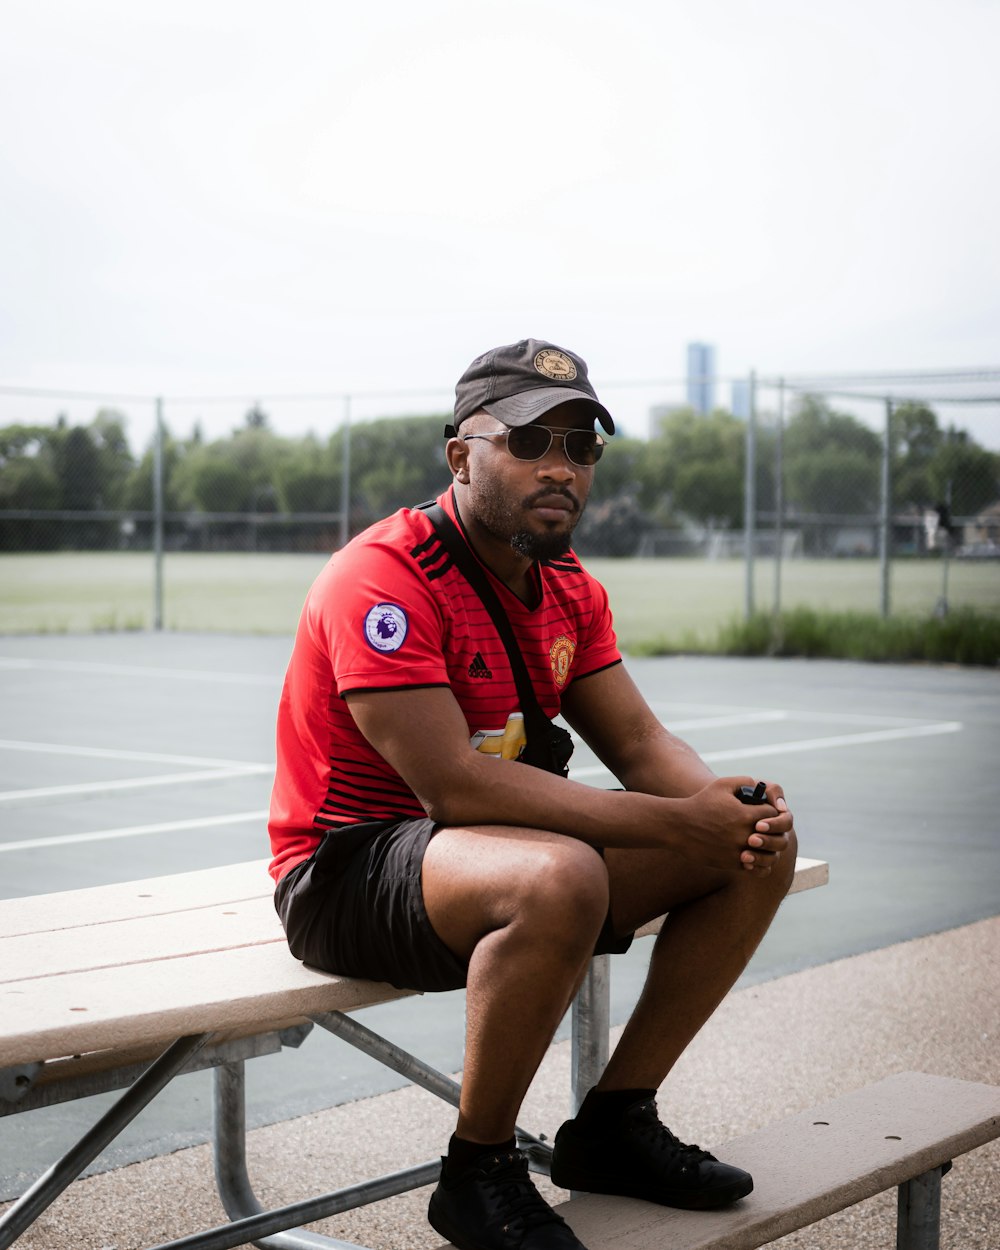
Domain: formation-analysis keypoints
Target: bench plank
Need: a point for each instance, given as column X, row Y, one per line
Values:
column 141, row 962
column 810, row 1165
column 40, row 913
column 809, row 873
column 48, row 1018
column 144, row 939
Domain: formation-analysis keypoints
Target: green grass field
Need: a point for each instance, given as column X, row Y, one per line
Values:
column 653, row 600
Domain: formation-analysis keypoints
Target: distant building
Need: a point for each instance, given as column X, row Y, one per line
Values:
column 701, row 377
column 739, row 399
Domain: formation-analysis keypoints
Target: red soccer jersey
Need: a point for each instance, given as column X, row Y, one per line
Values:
column 391, row 611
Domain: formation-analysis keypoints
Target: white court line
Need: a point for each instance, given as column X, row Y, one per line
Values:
column 807, row 744
column 133, row 831
column 109, row 753
column 773, row 748
column 137, row 670
column 665, row 712
column 722, row 722
column 135, row 783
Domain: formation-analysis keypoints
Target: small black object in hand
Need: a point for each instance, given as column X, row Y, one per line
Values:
column 753, row 794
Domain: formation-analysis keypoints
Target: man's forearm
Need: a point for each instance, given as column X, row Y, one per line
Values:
column 665, row 765
column 501, row 792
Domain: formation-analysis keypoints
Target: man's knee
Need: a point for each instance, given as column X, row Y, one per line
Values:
column 566, row 897
column 784, row 870
column 777, row 881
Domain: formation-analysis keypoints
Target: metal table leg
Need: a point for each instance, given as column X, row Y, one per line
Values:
column 590, row 1024
column 918, row 1211
column 231, row 1176
column 50, row 1184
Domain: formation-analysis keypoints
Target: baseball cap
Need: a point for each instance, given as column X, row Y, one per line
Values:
column 520, row 382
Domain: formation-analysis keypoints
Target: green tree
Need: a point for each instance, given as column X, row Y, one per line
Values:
column 620, row 470
column 916, row 438
column 137, row 492
column 114, row 458
column 831, row 461
column 28, row 482
column 240, row 473
column 396, row 462
column 78, row 467
column 309, row 480
column 256, row 418
column 207, row 479
column 964, row 474
column 694, row 468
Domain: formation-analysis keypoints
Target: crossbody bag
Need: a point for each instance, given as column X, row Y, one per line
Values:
column 549, row 746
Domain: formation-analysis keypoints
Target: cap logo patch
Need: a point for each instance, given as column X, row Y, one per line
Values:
column 555, row 365
column 385, row 627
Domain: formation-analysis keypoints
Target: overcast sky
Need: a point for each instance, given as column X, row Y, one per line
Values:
column 263, row 198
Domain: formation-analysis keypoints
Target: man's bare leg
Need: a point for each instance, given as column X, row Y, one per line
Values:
column 524, row 907
column 715, row 922
column 617, row 1144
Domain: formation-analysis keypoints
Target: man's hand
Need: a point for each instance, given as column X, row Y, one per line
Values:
column 726, row 832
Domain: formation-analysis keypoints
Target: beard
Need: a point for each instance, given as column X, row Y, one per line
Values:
column 541, row 546
column 503, row 521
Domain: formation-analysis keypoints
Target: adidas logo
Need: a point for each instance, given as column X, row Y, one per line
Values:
column 479, row 667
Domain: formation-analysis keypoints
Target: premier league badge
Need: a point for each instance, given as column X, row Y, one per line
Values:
column 385, row 627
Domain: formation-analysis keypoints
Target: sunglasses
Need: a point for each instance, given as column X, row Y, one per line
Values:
column 531, row 442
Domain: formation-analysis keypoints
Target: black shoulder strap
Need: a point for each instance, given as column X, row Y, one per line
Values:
column 535, row 720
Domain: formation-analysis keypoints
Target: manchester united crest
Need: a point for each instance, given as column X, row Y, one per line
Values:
column 561, row 658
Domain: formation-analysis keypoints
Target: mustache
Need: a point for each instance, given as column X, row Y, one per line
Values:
column 548, row 492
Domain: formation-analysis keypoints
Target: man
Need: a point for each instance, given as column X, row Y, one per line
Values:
column 412, row 846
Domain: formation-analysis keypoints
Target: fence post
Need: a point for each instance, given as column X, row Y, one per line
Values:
column 779, row 495
column 750, row 497
column 158, row 518
column 885, row 512
column 345, row 477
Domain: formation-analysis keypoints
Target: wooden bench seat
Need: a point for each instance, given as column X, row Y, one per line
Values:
column 900, row 1131
column 143, row 962
column 127, row 965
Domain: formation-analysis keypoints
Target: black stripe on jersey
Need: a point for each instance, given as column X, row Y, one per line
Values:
column 357, row 815
column 344, row 774
column 567, row 563
column 433, row 557
column 351, row 781
column 367, row 811
column 426, row 545
column 425, row 685
column 590, row 672
column 338, row 797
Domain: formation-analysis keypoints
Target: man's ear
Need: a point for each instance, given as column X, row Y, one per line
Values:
column 456, row 452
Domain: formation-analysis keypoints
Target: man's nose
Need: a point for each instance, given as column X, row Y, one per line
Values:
column 555, row 464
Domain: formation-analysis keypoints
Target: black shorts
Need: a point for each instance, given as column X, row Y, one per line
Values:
column 356, row 908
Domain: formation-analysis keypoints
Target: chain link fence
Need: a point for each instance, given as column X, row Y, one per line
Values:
column 880, row 493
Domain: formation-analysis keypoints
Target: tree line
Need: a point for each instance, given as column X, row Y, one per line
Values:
column 690, row 473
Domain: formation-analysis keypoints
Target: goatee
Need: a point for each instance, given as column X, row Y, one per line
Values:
column 540, row 546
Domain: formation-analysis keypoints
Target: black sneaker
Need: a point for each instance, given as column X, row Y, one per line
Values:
column 494, row 1206
column 639, row 1158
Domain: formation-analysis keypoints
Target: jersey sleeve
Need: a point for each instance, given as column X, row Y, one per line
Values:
column 378, row 621
column 600, row 644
